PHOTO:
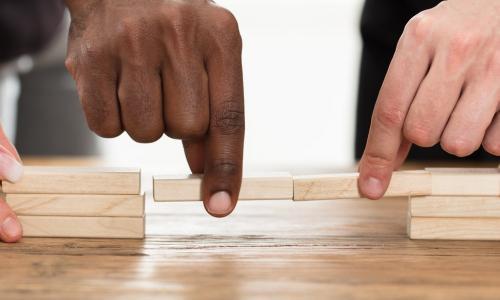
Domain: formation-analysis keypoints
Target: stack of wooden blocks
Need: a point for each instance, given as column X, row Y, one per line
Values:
column 463, row 204
column 78, row 202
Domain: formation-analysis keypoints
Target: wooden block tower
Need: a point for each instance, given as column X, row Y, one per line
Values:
column 464, row 204
column 78, row 202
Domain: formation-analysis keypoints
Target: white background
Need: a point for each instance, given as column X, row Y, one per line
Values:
column 301, row 62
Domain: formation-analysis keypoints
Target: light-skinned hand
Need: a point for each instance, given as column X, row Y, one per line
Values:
column 442, row 86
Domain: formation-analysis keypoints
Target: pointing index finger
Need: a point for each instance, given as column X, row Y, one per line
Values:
column 224, row 144
column 386, row 146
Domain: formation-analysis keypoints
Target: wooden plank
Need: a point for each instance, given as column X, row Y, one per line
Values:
column 343, row 186
column 465, row 181
column 83, row 227
column 454, row 228
column 455, row 206
column 253, row 187
column 68, row 180
column 76, row 205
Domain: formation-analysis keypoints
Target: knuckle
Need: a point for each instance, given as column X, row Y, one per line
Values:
column 177, row 20
column 177, row 13
column 390, row 117
column 419, row 134
column 126, row 26
column 461, row 45
column 70, row 64
column 419, row 27
column 458, row 147
column 376, row 160
column 229, row 120
column 224, row 167
column 226, row 28
column 461, row 42
column 186, row 128
column 129, row 35
column 225, row 20
column 91, row 52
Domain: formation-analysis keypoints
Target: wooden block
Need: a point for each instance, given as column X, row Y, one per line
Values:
column 455, row 206
column 454, row 228
column 277, row 186
column 465, row 182
column 342, row 186
column 83, row 227
column 76, row 205
column 50, row 180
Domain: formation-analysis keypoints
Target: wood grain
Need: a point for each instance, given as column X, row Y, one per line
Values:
column 76, row 205
column 76, row 180
column 455, row 206
column 343, row 186
column 465, row 181
column 341, row 249
column 454, row 228
column 83, row 227
column 277, row 186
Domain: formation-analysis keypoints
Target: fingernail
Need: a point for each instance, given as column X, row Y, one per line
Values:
column 219, row 203
column 12, row 170
column 11, row 228
column 373, row 188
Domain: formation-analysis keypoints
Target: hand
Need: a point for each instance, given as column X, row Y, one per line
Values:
column 442, row 86
column 11, row 170
column 174, row 67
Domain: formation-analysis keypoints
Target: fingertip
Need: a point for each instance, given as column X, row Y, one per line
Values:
column 371, row 187
column 219, row 204
column 11, row 230
column 373, row 181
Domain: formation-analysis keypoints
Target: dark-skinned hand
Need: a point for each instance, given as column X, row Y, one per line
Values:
column 154, row 67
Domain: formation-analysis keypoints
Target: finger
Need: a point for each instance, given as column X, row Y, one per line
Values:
column 406, row 71
column 491, row 141
column 10, row 228
column 224, row 145
column 8, row 147
column 186, row 103
column 10, row 162
column 96, row 79
column 471, row 118
column 11, row 170
column 140, row 98
column 403, row 151
column 195, row 155
column 433, row 104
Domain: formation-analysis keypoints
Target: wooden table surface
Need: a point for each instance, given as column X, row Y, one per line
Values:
column 343, row 249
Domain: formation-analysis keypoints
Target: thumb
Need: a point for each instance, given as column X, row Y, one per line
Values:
column 10, row 227
column 11, row 170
